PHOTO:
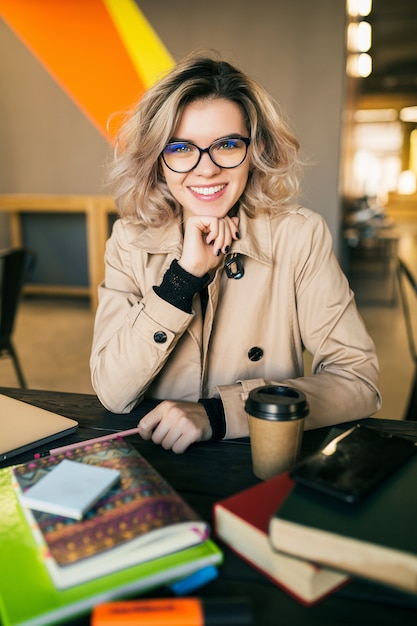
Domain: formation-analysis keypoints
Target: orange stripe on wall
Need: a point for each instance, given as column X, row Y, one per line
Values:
column 78, row 44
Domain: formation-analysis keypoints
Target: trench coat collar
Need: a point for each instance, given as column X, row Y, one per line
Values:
column 255, row 238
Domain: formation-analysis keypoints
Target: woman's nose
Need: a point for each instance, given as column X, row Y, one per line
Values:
column 206, row 167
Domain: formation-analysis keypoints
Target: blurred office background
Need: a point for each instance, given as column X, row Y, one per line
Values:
column 346, row 81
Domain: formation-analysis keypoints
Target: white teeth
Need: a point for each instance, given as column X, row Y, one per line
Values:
column 207, row 191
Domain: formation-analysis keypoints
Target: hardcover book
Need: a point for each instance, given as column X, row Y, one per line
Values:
column 374, row 539
column 141, row 518
column 28, row 596
column 242, row 520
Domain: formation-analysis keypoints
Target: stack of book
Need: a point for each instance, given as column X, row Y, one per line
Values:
column 375, row 539
column 139, row 535
column 242, row 522
column 310, row 543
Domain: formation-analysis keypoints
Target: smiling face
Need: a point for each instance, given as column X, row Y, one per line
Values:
column 208, row 189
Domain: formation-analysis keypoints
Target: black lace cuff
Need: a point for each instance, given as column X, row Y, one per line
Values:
column 179, row 286
column 215, row 413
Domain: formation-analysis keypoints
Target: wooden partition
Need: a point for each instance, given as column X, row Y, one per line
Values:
column 96, row 210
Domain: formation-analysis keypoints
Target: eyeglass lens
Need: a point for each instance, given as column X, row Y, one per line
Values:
column 183, row 156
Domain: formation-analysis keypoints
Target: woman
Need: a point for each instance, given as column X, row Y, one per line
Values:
column 216, row 280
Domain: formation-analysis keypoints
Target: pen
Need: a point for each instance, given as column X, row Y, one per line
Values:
column 174, row 612
column 71, row 446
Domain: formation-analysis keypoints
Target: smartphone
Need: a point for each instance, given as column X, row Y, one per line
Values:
column 354, row 463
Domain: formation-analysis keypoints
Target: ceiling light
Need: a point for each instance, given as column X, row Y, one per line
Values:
column 375, row 115
column 359, row 7
column 409, row 114
column 359, row 65
column 359, row 36
column 407, row 183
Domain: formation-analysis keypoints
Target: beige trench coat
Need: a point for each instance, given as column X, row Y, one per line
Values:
column 293, row 296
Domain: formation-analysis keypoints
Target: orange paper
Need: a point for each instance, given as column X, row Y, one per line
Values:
column 158, row 612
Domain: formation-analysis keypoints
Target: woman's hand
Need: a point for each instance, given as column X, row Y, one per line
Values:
column 176, row 425
column 205, row 239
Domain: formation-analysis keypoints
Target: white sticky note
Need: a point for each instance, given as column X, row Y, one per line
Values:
column 70, row 489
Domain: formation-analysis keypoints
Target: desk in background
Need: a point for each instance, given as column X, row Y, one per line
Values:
column 207, row 472
column 371, row 251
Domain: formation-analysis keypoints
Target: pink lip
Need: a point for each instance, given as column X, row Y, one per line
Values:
column 217, row 191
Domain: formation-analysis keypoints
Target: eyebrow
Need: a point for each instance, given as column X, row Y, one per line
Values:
column 231, row 136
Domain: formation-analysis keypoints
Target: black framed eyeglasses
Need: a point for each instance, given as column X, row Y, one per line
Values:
column 227, row 152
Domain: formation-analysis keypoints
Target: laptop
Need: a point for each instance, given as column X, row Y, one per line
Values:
column 24, row 426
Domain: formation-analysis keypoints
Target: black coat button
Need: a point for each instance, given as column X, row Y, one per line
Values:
column 160, row 336
column 255, row 353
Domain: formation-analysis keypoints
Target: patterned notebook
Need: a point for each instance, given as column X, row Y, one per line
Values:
column 139, row 519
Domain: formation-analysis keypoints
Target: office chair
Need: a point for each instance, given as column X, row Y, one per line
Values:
column 408, row 284
column 15, row 263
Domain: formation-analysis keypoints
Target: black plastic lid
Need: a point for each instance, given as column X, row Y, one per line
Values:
column 277, row 402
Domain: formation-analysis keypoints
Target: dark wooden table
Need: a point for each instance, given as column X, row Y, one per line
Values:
column 208, row 472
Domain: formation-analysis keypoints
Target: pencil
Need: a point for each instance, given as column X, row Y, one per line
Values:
column 71, row 446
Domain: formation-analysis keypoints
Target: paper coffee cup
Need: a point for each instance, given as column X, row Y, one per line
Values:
column 276, row 416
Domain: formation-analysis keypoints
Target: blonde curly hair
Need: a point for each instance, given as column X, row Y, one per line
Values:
column 135, row 174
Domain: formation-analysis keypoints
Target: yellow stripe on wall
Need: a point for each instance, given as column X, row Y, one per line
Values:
column 147, row 53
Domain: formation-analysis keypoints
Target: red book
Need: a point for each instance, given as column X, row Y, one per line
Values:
column 242, row 522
